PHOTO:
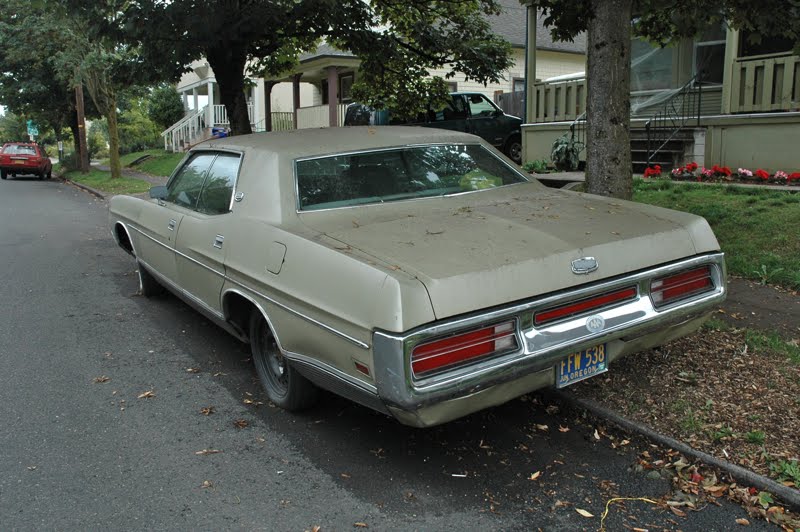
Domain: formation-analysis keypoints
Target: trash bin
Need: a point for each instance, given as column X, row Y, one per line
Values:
column 219, row 132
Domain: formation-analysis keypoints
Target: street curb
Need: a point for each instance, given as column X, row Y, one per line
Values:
column 88, row 189
column 744, row 476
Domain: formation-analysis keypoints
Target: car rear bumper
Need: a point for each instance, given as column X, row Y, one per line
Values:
column 631, row 327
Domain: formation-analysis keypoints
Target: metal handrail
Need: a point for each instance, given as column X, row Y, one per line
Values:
column 681, row 108
column 577, row 131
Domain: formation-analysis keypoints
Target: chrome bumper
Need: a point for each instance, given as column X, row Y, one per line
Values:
column 629, row 327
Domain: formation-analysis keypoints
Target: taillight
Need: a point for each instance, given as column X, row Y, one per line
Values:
column 597, row 302
column 459, row 349
column 688, row 283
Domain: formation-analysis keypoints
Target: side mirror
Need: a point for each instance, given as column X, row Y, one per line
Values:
column 159, row 192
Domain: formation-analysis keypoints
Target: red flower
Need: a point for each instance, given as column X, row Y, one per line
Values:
column 793, row 176
column 691, row 167
column 724, row 170
column 652, row 172
column 762, row 174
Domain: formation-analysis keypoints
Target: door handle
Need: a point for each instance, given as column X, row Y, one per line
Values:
column 172, row 223
column 218, row 240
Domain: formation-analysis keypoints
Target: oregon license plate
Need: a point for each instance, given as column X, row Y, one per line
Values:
column 581, row 365
column 19, row 161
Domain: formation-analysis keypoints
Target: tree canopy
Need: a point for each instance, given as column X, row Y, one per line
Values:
column 398, row 42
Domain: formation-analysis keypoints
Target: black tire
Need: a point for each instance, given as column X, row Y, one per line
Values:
column 148, row 286
column 284, row 385
column 49, row 173
column 41, row 175
column 513, row 149
column 3, row 174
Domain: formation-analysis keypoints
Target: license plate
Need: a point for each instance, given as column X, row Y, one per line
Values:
column 581, row 365
column 18, row 161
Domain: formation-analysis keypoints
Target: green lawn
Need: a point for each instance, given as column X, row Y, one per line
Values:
column 102, row 181
column 160, row 163
column 757, row 229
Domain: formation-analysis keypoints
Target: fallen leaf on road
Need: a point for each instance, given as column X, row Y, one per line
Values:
column 536, row 475
column 241, row 424
column 583, row 512
column 563, row 429
column 543, row 427
column 679, row 513
column 207, row 484
column 146, row 395
column 193, row 370
column 205, row 452
column 344, row 475
column 316, row 528
column 101, row 379
column 207, row 411
column 360, row 525
column 596, row 435
column 743, row 522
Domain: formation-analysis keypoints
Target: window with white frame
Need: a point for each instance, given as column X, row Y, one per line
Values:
column 709, row 56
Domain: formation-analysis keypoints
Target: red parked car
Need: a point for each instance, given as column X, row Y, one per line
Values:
column 18, row 158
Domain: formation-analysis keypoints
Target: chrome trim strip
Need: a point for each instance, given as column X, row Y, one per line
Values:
column 183, row 294
column 184, row 255
column 539, row 348
column 333, row 372
column 285, row 307
column 299, row 314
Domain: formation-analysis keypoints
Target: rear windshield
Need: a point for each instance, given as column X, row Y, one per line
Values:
column 399, row 174
column 16, row 149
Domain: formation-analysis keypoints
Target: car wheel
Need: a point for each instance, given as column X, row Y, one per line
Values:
column 3, row 174
column 513, row 149
column 41, row 175
column 49, row 173
column 148, row 286
column 284, row 385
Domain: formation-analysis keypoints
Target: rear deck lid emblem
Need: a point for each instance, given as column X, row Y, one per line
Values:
column 584, row 265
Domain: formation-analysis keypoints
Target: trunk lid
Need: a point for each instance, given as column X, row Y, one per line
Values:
column 494, row 247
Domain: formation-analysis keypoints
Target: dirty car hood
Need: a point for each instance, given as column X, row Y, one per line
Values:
column 474, row 251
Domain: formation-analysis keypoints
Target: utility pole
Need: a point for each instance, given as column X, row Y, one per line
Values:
column 83, row 152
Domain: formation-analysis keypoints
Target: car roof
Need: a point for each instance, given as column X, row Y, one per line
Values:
column 302, row 143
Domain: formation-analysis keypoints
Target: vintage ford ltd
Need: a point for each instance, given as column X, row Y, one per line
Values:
column 414, row 271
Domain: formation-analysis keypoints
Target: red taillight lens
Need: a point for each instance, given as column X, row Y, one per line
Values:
column 666, row 290
column 459, row 349
column 550, row 315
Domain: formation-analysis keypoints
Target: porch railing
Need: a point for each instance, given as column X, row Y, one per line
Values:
column 559, row 101
column 766, row 84
column 317, row 116
column 282, row 121
column 184, row 131
column 221, row 115
column 681, row 109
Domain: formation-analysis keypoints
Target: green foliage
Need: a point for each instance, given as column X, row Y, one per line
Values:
column 538, row 166
column 162, row 164
column 750, row 232
column 164, row 106
column 723, row 433
column 566, row 153
column 755, row 437
column 786, row 471
column 96, row 140
column 136, row 131
column 104, row 182
column 12, row 128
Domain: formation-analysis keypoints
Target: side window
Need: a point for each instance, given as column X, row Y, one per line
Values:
column 215, row 198
column 454, row 110
column 479, row 105
column 185, row 187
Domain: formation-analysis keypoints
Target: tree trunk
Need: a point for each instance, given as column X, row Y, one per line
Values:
column 81, row 146
column 113, row 140
column 228, row 65
column 608, row 110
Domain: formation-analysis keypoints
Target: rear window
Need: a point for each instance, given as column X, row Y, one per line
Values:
column 16, row 149
column 399, row 174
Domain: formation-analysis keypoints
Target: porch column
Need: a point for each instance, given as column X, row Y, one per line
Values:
column 295, row 96
column 333, row 97
column 530, row 67
column 210, row 108
column 194, row 96
column 256, row 106
column 185, row 101
column 268, row 104
column 731, row 49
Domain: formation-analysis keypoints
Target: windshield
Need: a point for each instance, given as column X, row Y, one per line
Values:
column 399, row 174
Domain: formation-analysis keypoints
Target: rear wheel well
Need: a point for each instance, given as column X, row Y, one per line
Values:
column 123, row 238
column 238, row 310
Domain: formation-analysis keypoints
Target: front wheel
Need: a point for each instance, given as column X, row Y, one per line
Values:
column 513, row 149
column 3, row 174
column 284, row 385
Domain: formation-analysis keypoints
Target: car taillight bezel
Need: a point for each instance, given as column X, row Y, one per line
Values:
column 435, row 356
column 682, row 286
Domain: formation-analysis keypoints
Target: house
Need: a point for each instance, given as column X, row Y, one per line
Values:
column 714, row 99
column 301, row 98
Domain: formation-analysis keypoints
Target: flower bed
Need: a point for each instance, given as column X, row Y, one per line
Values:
column 723, row 174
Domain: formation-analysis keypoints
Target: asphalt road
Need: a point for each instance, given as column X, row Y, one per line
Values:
column 78, row 454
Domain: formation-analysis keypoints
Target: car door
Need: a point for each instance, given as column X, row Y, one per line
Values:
column 200, row 248
column 160, row 220
column 452, row 116
column 484, row 119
